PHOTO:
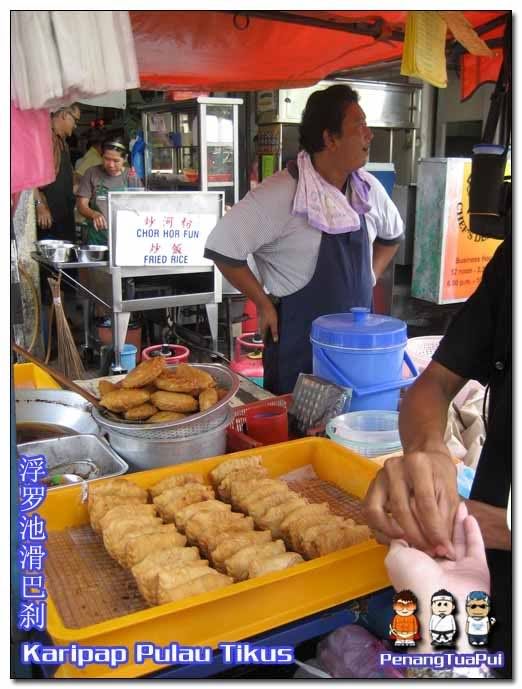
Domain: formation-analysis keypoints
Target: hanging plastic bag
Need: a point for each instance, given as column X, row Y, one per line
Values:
column 137, row 155
column 31, row 149
column 352, row 652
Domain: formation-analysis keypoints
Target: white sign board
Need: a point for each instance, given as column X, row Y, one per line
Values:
column 162, row 240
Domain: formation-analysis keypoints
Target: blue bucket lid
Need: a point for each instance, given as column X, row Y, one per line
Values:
column 358, row 329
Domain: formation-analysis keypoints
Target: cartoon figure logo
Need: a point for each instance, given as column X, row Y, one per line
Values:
column 478, row 624
column 443, row 629
column 404, row 629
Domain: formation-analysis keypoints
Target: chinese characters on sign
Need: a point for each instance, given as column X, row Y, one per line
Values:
column 31, row 543
column 161, row 240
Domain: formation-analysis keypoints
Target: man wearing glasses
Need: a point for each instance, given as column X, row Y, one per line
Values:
column 479, row 622
column 55, row 202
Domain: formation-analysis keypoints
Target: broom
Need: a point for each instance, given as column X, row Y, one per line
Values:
column 69, row 361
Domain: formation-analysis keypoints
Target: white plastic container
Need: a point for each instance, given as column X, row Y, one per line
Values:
column 421, row 349
column 367, row 432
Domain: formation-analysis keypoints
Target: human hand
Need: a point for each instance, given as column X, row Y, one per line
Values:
column 99, row 222
column 44, row 219
column 410, row 568
column 419, row 490
column 267, row 316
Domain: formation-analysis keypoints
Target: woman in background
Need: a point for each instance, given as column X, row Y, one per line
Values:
column 92, row 200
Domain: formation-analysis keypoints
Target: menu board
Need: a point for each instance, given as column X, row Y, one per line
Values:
column 162, row 240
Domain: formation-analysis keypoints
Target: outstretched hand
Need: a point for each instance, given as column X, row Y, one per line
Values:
column 410, row 568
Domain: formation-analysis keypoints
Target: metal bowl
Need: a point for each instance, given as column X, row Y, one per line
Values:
column 56, row 250
column 90, row 252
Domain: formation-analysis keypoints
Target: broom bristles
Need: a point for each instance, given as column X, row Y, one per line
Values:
column 69, row 361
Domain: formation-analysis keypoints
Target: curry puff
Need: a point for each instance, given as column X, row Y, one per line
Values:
column 116, row 486
column 208, row 582
column 173, row 499
column 165, row 416
column 182, row 516
column 293, row 533
column 101, row 505
column 115, row 534
column 141, row 412
column 146, row 572
column 122, row 400
column 174, row 401
column 144, row 373
column 237, row 564
column 273, row 517
column 223, row 469
column 175, row 481
column 323, row 539
column 140, row 545
column 125, row 511
column 237, row 476
column 263, row 565
column 207, row 399
column 232, row 545
column 105, row 386
column 243, row 489
column 258, row 494
column 206, row 528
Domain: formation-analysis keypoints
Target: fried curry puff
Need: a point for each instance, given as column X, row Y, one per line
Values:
column 154, row 393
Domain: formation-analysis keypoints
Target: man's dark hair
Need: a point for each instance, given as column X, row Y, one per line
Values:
column 407, row 596
column 324, row 110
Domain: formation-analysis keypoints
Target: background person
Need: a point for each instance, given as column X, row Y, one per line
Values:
column 320, row 231
column 55, row 201
column 93, row 155
column 92, row 200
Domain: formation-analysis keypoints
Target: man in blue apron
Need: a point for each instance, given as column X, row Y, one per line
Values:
column 320, row 233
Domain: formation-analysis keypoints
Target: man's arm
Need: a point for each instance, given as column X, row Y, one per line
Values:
column 243, row 279
column 420, row 488
column 492, row 521
column 382, row 255
column 44, row 218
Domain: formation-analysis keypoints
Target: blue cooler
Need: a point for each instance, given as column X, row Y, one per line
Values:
column 385, row 173
column 363, row 351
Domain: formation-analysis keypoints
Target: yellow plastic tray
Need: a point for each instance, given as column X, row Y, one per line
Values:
column 244, row 609
column 30, row 376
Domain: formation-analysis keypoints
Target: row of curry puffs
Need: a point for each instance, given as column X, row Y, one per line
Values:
column 307, row 528
column 165, row 569
column 226, row 538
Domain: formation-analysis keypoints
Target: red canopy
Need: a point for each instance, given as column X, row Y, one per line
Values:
column 215, row 50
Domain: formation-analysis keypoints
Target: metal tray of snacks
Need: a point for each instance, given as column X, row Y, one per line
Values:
column 85, row 456
column 93, row 601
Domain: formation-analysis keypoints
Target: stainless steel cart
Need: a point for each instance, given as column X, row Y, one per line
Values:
column 159, row 235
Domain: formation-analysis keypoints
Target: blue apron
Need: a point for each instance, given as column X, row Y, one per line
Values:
column 342, row 279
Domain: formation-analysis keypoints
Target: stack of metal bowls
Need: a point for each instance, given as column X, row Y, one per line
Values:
column 146, row 445
column 86, row 253
column 55, row 250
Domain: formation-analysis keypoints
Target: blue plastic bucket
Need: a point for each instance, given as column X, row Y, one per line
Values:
column 364, row 352
column 128, row 357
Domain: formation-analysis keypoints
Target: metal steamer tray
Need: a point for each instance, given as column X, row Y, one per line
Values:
column 55, row 407
column 86, row 456
column 192, row 425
